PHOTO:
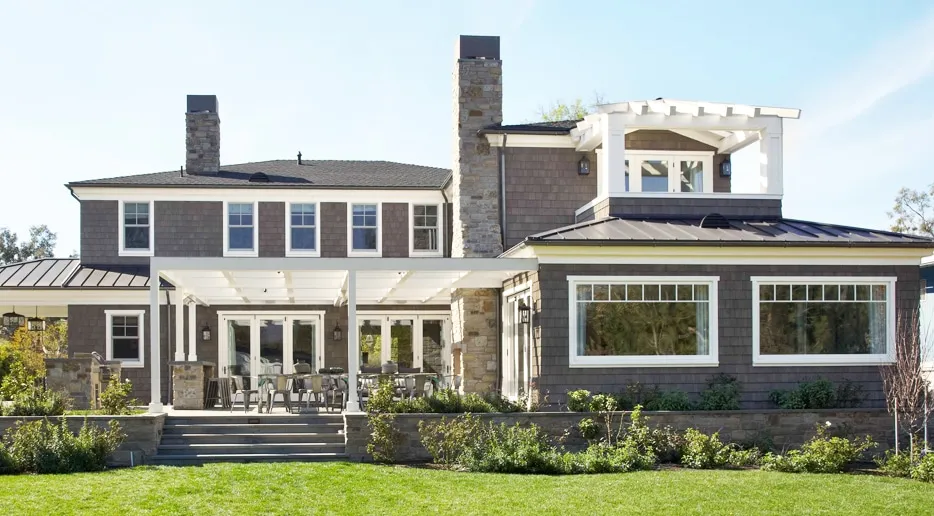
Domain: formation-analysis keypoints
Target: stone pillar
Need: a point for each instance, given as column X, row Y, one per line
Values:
column 189, row 384
column 202, row 136
column 475, row 185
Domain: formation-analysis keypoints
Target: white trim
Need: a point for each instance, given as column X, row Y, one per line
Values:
column 64, row 297
column 716, row 255
column 592, row 204
column 144, row 194
column 556, row 141
column 250, row 253
column 169, row 263
column 109, row 335
column 673, row 196
column 516, row 289
column 351, row 252
column 286, row 316
column 666, row 153
column 888, row 357
column 440, row 227
column 289, row 252
column 711, row 359
column 120, row 230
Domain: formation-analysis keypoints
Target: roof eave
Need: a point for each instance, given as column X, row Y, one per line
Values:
column 720, row 243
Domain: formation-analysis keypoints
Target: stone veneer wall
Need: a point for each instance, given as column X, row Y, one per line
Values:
column 143, row 434
column 203, row 142
column 786, row 428
column 475, row 328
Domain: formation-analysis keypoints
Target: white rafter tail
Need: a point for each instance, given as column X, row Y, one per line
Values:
column 403, row 276
column 229, row 277
column 705, row 137
column 736, row 141
column 290, row 291
column 342, row 291
column 434, row 295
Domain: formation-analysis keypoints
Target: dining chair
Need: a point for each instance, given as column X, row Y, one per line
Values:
column 244, row 392
column 281, row 385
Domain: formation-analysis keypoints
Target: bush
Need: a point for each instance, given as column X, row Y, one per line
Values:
column 115, row 400
column 447, row 440
column 499, row 403
column 579, row 400
column 670, row 400
column 588, row 429
column 38, row 401
column 924, row 470
column 896, row 464
column 722, row 393
column 513, row 449
column 603, row 458
column 45, row 447
column 819, row 394
column 821, row 454
column 22, row 364
column 384, row 437
column 667, row 444
column 742, row 458
column 702, row 451
column 603, row 403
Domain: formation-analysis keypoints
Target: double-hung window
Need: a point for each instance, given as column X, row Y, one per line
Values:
column 125, row 337
column 644, row 321
column 301, row 232
column 426, row 230
column 364, row 230
column 823, row 321
column 136, row 229
column 240, row 234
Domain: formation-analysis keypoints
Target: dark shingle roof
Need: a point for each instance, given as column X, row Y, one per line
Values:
column 289, row 174
column 686, row 231
column 559, row 127
column 42, row 273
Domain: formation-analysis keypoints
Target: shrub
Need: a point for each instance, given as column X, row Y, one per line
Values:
column 46, row 447
column 896, row 464
column 447, row 440
column 22, row 364
column 499, row 403
column 670, row 400
column 636, row 393
column 472, row 402
column 722, row 393
column 667, row 444
column 412, row 406
column 384, row 437
column 513, row 449
column 702, row 451
column 588, row 429
column 742, row 458
column 821, row 454
column 445, row 401
column 115, row 400
column 819, row 394
column 924, row 470
column 579, row 400
column 38, row 401
column 603, row 403
column 603, row 458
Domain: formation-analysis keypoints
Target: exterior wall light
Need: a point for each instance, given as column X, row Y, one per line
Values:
column 583, row 166
column 525, row 313
column 206, row 333
column 338, row 334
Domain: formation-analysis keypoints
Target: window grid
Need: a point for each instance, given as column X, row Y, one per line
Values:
column 241, row 230
column 136, row 220
column 823, row 292
column 642, row 292
column 124, row 330
column 365, row 227
column 302, row 224
column 425, row 222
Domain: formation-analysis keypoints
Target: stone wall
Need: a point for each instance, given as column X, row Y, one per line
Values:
column 189, row 384
column 80, row 377
column 786, row 428
column 144, row 432
column 475, row 328
column 202, row 136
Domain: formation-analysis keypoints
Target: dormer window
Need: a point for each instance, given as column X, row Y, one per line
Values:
column 136, row 229
column 240, row 235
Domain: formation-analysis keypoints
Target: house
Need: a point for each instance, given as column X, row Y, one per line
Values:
column 552, row 256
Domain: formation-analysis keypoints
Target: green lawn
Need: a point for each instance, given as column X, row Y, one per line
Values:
column 344, row 488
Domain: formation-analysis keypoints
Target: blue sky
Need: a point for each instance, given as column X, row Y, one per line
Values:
column 97, row 89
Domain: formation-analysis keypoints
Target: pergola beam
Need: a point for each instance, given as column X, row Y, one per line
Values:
column 395, row 287
column 342, row 290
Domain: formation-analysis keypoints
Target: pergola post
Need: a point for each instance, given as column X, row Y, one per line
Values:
column 179, row 326
column 353, row 343
column 193, row 332
column 155, row 362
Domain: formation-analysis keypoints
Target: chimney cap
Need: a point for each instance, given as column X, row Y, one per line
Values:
column 202, row 103
column 478, row 47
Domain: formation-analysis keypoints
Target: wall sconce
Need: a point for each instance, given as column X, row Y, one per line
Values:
column 206, row 333
column 337, row 333
column 583, row 166
column 525, row 313
column 726, row 169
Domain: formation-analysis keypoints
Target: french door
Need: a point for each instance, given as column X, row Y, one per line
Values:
column 516, row 352
column 267, row 343
column 411, row 340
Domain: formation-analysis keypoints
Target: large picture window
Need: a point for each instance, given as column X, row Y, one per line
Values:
column 643, row 321
column 823, row 321
column 125, row 337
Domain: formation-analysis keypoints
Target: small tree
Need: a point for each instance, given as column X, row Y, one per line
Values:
column 576, row 110
column 913, row 213
column 904, row 382
column 41, row 244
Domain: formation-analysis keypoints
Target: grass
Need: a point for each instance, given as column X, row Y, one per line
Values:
column 346, row 488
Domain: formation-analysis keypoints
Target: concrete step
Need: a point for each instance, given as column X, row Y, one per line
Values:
column 266, row 428
column 254, row 419
column 249, row 437
column 195, row 459
column 253, row 448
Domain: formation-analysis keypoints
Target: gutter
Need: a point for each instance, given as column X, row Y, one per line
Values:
column 715, row 243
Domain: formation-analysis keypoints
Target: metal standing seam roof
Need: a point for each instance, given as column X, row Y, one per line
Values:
column 53, row 273
column 289, row 174
column 688, row 231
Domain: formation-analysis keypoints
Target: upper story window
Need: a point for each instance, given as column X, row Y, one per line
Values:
column 136, row 229
column 671, row 172
column 364, row 230
column 301, row 232
column 643, row 321
column 425, row 236
column 125, row 337
column 823, row 321
column 240, row 231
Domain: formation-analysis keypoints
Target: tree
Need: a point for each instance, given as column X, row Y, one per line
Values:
column 914, row 212
column 577, row 110
column 906, row 388
column 41, row 244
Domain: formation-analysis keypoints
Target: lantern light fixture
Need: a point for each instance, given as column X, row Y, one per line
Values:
column 338, row 334
column 525, row 313
column 13, row 320
column 583, row 166
column 35, row 323
column 206, row 333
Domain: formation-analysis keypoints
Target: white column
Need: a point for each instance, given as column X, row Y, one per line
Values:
column 179, row 325
column 353, row 343
column 770, row 159
column 193, row 332
column 155, row 362
column 614, row 155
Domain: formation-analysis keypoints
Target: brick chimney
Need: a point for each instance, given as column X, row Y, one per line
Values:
column 478, row 103
column 202, row 136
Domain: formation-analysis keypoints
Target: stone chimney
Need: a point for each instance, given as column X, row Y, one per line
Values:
column 202, row 136
column 478, row 103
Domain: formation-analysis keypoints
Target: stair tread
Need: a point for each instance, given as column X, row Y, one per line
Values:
column 250, row 445
column 245, row 455
column 257, row 434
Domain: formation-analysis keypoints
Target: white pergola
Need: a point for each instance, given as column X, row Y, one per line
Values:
column 331, row 281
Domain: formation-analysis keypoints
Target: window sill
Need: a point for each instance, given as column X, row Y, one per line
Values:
column 643, row 361
column 424, row 254
column 364, row 254
column 302, row 254
column 821, row 360
column 128, row 364
column 238, row 253
column 135, row 252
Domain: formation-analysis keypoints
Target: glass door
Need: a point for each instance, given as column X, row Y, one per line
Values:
column 371, row 342
column 413, row 341
column 402, row 343
column 305, row 349
column 238, row 350
column 517, row 339
column 264, row 343
column 270, row 346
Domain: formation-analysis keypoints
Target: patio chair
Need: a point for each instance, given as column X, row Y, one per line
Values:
column 281, row 386
column 244, row 392
column 302, row 368
column 313, row 387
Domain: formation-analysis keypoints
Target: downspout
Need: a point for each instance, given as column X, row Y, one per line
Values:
column 502, row 190
column 499, row 291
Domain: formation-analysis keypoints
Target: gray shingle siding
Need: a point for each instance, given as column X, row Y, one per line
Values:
column 272, row 229
column 395, row 230
column 189, row 228
column 550, row 293
column 334, row 229
column 99, row 234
